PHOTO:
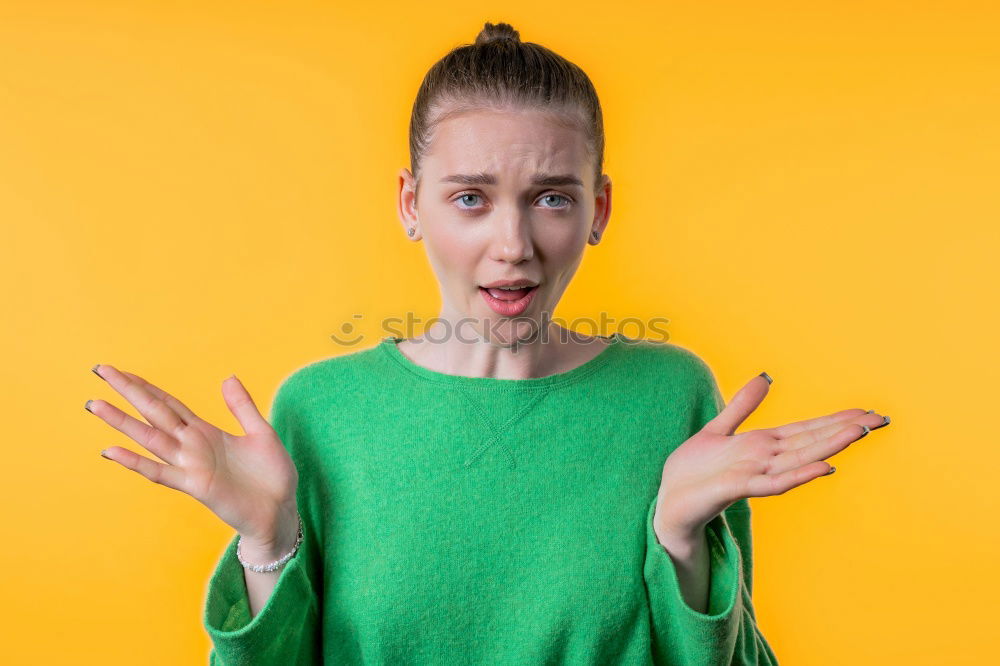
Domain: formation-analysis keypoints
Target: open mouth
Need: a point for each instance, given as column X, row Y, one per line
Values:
column 508, row 302
column 505, row 294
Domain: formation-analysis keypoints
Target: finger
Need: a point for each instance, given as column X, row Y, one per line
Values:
column 809, row 437
column 155, row 411
column 242, row 406
column 765, row 485
column 179, row 407
column 155, row 441
column 165, row 475
column 820, row 450
column 797, row 427
column 746, row 400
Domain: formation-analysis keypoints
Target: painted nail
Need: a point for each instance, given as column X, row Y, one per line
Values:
column 832, row 470
column 94, row 370
column 885, row 422
column 870, row 411
column 104, row 454
column 865, row 433
column 86, row 406
column 767, row 377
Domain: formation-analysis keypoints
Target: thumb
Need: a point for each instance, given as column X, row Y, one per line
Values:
column 242, row 406
column 746, row 400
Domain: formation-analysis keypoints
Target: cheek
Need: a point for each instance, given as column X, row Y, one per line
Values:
column 561, row 243
column 450, row 252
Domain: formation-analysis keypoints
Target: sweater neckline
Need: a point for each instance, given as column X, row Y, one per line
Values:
column 389, row 346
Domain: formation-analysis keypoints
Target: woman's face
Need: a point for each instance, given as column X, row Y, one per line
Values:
column 504, row 195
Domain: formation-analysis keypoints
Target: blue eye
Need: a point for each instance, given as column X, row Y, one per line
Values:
column 557, row 196
column 469, row 195
column 466, row 196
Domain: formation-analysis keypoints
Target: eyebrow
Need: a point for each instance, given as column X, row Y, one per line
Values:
column 544, row 179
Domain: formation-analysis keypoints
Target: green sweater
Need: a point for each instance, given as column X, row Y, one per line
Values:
column 472, row 520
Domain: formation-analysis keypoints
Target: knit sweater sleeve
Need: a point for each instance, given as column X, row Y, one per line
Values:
column 727, row 632
column 287, row 629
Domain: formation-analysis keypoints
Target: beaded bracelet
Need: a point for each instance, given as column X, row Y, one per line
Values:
column 266, row 568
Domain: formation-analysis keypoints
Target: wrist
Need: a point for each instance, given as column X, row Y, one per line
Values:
column 682, row 544
column 274, row 542
column 668, row 528
column 680, row 540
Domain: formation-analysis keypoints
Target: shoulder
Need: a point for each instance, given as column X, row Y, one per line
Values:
column 666, row 360
column 310, row 382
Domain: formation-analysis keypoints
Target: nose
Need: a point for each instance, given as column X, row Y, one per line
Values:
column 511, row 241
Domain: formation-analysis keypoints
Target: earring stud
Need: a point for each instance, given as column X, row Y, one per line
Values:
column 410, row 231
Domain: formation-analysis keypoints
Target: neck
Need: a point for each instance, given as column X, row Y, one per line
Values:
column 498, row 352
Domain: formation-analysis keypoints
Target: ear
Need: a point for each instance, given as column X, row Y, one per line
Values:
column 406, row 205
column 602, row 210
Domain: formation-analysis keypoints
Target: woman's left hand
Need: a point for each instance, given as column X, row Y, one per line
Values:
column 715, row 468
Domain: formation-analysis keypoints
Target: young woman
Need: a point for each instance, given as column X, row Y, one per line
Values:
column 496, row 491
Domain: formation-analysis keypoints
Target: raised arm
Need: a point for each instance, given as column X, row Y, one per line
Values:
column 287, row 627
column 723, row 628
column 699, row 563
column 251, row 483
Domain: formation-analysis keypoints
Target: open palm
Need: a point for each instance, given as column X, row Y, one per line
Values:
column 249, row 480
column 715, row 468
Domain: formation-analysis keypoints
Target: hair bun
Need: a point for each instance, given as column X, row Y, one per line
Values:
column 492, row 32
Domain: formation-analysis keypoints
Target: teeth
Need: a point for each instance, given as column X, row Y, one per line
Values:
column 511, row 288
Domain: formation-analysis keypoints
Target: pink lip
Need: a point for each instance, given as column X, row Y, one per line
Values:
column 510, row 283
column 508, row 308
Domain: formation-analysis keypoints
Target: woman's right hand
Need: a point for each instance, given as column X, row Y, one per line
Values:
column 249, row 481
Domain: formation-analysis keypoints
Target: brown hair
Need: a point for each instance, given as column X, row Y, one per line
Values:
column 502, row 72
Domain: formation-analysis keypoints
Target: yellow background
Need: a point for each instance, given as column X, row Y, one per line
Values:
column 193, row 189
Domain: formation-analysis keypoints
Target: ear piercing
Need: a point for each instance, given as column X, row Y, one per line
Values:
column 595, row 235
column 410, row 232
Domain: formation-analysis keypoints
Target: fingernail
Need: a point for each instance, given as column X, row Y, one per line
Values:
column 767, row 377
column 94, row 370
column 104, row 454
column 865, row 433
column 885, row 422
column 832, row 470
column 86, row 406
column 870, row 411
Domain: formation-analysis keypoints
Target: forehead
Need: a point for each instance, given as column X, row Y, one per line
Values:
column 505, row 141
